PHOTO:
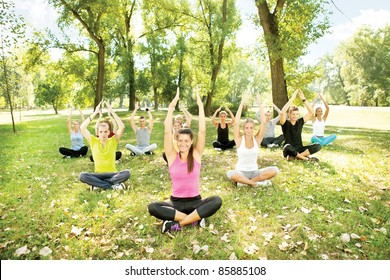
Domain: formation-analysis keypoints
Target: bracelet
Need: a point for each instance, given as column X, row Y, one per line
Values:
column 304, row 100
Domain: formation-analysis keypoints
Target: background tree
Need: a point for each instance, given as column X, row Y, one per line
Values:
column 92, row 15
column 53, row 89
column 289, row 27
column 12, row 29
column 214, row 25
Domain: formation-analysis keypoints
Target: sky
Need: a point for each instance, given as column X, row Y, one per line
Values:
column 345, row 20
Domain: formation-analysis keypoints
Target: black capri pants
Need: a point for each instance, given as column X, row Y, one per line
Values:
column 166, row 210
column 289, row 150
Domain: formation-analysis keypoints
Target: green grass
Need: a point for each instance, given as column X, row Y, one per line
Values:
column 42, row 200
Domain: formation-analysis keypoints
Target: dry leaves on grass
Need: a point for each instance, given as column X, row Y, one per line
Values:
column 22, row 251
column 252, row 249
column 45, row 251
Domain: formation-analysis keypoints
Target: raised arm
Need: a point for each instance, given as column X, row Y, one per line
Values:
column 98, row 121
column 132, row 123
column 237, row 135
column 81, row 114
column 263, row 122
column 326, row 108
column 121, row 125
column 307, row 105
column 277, row 110
column 86, row 122
column 188, row 117
column 150, row 121
column 283, row 112
column 69, row 121
column 168, row 144
column 114, row 124
column 215, row 123
column 201, row 141
column 231, row 115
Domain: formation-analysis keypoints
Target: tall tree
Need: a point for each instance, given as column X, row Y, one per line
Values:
column 289, row 27
column 12, row 29
column 124, row 44
column 92, row 15
column 215, row 24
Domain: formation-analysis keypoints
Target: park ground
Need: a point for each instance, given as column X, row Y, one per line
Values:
column 335, row 209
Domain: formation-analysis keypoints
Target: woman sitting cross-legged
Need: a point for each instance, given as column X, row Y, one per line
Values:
column 223, row 142
column 318, row 121
column 76, row 137
column 186, row 206
column 247, row 171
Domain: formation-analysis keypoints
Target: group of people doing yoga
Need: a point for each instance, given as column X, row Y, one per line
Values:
column 183, row 153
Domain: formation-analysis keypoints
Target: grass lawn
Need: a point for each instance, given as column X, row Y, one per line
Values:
column 335, row 209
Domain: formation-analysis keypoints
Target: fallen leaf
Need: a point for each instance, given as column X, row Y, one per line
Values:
column 345, row 237
column 321, row 209
column 347, row 200
column 355, row 236
column 358, row 245
column 383, row 230
column 252, row 219
column 251, row 249
column 324, row 256
column 225, row 238
column 305, row 210
column 22, row 251
column 45, row 251
column 149, row 250
column 283, row 246
column 76, row 231
column 205, row 248
column 232, row 257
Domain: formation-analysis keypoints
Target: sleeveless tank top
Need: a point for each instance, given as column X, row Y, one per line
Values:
column 247, row 158
column 184, row 184
column 223, row 134
column 76, row 139
column 318, row 128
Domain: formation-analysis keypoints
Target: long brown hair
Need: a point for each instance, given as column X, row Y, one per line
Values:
column 190, row 158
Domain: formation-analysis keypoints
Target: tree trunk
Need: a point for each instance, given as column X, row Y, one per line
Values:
column 131, row 80
column 155, row 98
column 279, row 87
column 8, row 94
column 270, row 25
column 100, row 74
column 216, row 62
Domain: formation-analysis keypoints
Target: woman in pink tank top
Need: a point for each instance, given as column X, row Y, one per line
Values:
column 186, row 206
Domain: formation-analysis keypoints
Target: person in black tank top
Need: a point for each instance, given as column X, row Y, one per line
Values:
column 223, row 142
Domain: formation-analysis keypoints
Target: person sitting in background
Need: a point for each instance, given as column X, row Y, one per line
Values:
column 318, row 121
column 76, row 137
column 223, row 142
column 269, row 140
column 118, row 154
column 292, row 131
column 247, row 171
column 103, row 151
column 186, row 205
column 142, row 134
column 180, row 118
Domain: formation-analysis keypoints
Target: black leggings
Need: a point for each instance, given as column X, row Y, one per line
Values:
column 72, row 153
column 289, row 150
column 224, row 146
column 166, row 210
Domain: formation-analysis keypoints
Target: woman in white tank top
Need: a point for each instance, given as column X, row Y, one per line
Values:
column 247, row 171
column 318, row 120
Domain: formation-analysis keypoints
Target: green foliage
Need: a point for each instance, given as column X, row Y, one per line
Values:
column 357, row 73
